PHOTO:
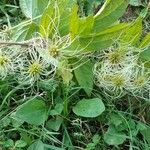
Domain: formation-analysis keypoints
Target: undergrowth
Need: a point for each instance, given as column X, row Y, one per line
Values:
column 74, row 75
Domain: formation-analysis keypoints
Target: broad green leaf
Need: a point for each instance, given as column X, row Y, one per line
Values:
column 6, row 121
column 16, row 122
column 85, row 25
column 146, row 134
column 31, row 32
column 84, row 76
column 20, row 143
column 135, row 2
column 51, row 147
column 8, row 143
column 56, row 18
column 19, row 34
column 33, row 8
column 103, row 39
column 115, row 120
column 26, row 137
column 145, row 55
column 78, row 25
column 64, row 24
column 24, row 32
column 89, row 108
column 133, row 33
column 33, row 112
column 38, row 145
column 146, row 41
column 54, row 123
column 141, row 126
column 110, row 12
column 96, row 138
column 74, row 21
column 49, row 85
column 112, row 137
column 57, row 110
column 48, row 22
column 144, row 12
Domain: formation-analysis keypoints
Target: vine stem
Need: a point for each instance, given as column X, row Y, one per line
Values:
column 15, row 43
column 23, row 43
column 65, row 94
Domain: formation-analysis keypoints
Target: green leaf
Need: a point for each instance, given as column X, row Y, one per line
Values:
column 144, row 12
column 33, row 112
column 5, row 122
column 84, row 76
column 135, row 2
column 51, row 17
column 38, row 145
column 146, row 41
column 16, row 122
column 110, row 12
column 96, row 139
column 103, row 39
column 145, row 55
column 133, row 33
column 74, row 21
column 20, row 143
column 64, row 24
column 57, row 110
column 141, row 126
column 49, row 85
column 56, row 18
column 24, row 32
column 8, row 143
column 115, row 120
column 85, row 25
column 33, row 8
column 26, row 137
column 55, row 123
column 89, row 108
column 79, row 25
column 50, row 147
column 146, row 134
column 112, row 137
column 90, row 146
column 47, row 21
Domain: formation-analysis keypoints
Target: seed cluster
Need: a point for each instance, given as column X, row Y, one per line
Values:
column 34, row 62
column 119, row 72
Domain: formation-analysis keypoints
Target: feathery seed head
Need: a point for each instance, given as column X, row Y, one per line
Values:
column 53, row 51
column 115, row 57
column 118, row 80
column 34, row 69
column 140, row 81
